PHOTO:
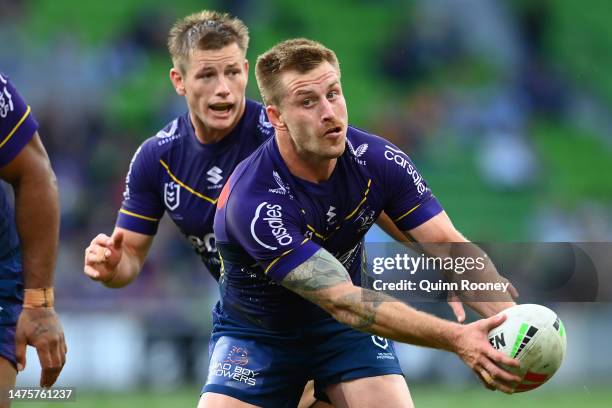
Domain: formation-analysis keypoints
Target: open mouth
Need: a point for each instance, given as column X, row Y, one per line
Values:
column 221, row 107
column 333, row 131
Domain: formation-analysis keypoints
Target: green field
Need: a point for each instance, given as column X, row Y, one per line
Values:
column 424, row 396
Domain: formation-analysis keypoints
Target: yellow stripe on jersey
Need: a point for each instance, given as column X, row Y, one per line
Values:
column 185, row 186
column 25, row 115
column 311, row 228
column 406, row 213
column 144, row 217
column 283, row 254
column 365, row 196
column 276, row 260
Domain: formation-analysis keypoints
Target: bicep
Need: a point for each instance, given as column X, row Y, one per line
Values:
column 319, row 279
column 32, row 161
column 437, row 229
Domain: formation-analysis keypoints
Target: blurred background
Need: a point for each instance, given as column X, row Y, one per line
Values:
column 505, row 107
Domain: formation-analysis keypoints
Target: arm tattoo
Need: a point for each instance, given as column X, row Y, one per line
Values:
column 365, row 309
column 322, row 271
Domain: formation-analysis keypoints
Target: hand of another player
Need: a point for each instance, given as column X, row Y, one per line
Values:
column 41, row 329
column 103, row 255
column 473, row 347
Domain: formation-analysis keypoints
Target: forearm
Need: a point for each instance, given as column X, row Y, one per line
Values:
column 382, row 315
column 126, row 271
column 323, row 280
column 37, row 217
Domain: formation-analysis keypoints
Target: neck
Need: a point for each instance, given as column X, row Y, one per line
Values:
column 302, row 164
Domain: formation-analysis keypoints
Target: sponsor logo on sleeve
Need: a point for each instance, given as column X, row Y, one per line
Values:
column 6, row 100
column 126, row 193
column 272, row 217
column 172, row 195
column 400, row 158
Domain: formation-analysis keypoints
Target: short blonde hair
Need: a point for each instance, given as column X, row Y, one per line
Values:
column 300, row 54
column 205, row 30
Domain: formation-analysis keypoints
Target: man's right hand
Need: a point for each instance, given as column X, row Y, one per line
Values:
column 102, row 256
column 473, row 347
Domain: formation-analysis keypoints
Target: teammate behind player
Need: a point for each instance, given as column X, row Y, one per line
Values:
column 182, row 169
column 289, row 227
column 29, row 235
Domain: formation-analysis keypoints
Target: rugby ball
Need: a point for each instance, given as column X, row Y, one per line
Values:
column 535, row 336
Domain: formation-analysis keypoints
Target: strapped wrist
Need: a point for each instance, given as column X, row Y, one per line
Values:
column 39, row 298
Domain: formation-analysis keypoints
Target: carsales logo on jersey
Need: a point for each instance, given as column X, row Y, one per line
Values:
column 401, row 160
column 273, row 218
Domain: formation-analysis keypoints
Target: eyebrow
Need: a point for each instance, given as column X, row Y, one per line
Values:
column 308, row 91
column 211, row 67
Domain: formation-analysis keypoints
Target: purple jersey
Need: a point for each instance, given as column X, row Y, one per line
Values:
column 173, row 172
column 269, row 222
column 17, row 126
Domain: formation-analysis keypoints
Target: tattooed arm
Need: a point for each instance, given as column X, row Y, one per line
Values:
column 324, row 281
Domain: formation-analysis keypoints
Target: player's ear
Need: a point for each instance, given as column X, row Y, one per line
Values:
column 176, row 77
column 275, row 117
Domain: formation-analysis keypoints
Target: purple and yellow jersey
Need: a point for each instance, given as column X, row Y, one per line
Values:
column 173, row 172
column 17, row 126
column 268, row 222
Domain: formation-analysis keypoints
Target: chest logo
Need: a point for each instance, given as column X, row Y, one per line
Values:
column 331, row 214
column 214, row 175
column 282, row 188
column 172, row 195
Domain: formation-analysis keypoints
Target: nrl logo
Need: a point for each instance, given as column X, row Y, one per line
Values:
column 172, row 195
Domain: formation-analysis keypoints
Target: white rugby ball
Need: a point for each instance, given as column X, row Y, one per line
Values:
column 535, row 336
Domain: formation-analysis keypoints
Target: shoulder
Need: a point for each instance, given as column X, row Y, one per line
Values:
column 256, row 116
column 257, row 174
column 168, row 137
column 364, row 144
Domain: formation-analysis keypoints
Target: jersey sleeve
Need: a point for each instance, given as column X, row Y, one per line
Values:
column 269, row 230
column 142, row 207
column 17, row 124
column 409, row 200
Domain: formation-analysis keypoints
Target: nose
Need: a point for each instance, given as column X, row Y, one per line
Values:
column 327, row 111
column 222, row 88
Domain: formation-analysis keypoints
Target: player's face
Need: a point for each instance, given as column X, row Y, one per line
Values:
column 314, row 111
column 214, row 85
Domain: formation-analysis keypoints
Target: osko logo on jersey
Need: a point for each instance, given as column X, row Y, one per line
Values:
column 401, row 160
column 272, row 217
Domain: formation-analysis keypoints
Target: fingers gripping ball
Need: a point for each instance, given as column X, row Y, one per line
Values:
column 535, row 336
